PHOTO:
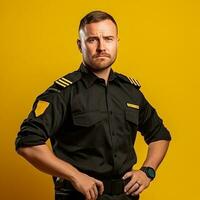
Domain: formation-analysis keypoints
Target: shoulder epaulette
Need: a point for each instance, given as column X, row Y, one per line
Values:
column 134, row 82
column 68, row 79
column 130, row 80
column 63, row 82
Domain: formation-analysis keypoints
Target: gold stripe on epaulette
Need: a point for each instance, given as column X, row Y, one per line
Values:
column 138, row 83
column 66, row 80
column 130, row 80
column 135, row 83
column 61, row 84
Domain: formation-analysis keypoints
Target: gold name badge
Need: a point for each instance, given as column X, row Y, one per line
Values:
column 130, row 105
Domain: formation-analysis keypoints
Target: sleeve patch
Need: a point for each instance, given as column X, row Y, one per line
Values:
column 41, row 107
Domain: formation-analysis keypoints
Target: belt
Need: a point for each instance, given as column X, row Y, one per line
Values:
column 114, row 186
column 111, row 186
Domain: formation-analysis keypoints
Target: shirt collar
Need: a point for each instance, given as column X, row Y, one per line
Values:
column 89, row 77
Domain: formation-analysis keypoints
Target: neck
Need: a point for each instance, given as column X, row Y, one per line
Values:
column 104, row 74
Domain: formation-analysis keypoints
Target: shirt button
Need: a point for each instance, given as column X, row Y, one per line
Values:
column 115, row 155
column 110, row 112
column 113, row 133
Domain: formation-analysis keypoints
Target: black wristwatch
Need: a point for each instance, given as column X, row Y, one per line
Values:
column 149, row 171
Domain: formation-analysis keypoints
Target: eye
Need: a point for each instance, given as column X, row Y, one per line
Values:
column 109, row 38
column 91, row 40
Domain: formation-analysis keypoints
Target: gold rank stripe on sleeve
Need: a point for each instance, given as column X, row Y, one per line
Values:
column 132, row 105
column 63, row 82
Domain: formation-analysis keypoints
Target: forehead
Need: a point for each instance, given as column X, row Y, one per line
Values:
column 105, row 27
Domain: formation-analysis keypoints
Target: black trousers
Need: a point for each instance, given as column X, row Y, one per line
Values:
column 79, row 196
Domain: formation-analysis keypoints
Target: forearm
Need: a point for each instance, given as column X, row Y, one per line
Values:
column 43, row 159
column 156, row 153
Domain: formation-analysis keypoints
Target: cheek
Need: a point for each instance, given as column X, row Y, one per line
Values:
column 113, row 48
column 90, row 49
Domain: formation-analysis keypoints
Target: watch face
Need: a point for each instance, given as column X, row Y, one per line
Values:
column 151, row 172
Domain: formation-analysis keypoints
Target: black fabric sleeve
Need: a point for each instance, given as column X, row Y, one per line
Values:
column 150, row 124
column 35, row 130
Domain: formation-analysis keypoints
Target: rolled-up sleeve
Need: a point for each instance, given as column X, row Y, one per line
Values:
column 151, row 125
column 44, row 120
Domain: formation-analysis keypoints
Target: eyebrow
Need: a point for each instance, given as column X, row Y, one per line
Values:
column 96, row 37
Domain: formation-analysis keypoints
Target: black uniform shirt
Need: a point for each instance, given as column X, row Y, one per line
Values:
column 92, row 125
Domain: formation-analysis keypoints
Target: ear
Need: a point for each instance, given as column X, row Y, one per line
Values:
column 79, row 45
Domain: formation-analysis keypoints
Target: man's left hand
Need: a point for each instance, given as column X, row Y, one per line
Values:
column 138, row 182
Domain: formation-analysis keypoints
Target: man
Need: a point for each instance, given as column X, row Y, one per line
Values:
column 91, row 117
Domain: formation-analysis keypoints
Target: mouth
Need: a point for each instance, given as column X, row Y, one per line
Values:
column 102, row 56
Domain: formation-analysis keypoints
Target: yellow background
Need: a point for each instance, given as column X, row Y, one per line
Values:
column 159, row 45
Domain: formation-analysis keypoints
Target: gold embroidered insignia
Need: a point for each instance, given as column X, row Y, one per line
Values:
column 41, row 107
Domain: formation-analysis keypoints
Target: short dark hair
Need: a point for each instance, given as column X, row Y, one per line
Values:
column 95, row 16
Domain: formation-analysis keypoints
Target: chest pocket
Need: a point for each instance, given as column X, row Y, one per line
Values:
column 132, row 116
column 88, row 119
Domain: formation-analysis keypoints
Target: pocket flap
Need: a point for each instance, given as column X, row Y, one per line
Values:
column 87, row 119
column 132, row 116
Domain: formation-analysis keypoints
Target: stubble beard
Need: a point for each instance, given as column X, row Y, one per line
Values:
column 98, row 66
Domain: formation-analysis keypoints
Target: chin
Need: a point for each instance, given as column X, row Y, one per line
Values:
column 101, row 66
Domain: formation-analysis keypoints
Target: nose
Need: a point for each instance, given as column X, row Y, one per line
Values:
column 101, row 46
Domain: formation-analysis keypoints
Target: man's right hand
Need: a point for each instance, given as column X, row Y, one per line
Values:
column 44, row 159
column 88, row 186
